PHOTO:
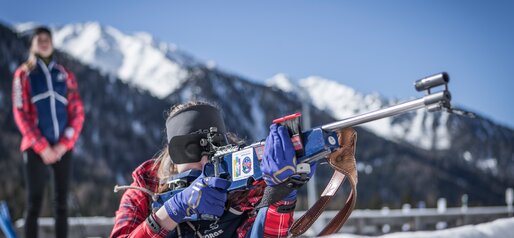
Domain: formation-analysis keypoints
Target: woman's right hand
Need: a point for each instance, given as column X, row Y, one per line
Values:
column 206, row 195
column 48, row 156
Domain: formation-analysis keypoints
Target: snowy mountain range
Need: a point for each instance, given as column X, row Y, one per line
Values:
column 161, row 68
column 137, row 58
column 477, row 162
column 423, row 129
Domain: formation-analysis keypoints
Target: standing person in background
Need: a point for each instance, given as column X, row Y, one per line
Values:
column 49, row 114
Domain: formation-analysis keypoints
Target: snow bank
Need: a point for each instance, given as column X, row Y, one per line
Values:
column 499, row 228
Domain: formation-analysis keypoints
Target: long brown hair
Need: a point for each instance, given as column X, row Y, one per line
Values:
column 166, row 168
column 30, row 63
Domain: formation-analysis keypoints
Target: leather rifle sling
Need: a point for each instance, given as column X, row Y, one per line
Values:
column 343, row 162
column 301, row 225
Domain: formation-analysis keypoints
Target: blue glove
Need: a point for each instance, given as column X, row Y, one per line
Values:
column 278, row 163
column 206, row 195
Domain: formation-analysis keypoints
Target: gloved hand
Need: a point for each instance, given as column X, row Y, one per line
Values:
column 278, row 163
column 206, row 195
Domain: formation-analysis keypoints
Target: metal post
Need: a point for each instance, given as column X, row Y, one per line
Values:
column 464, row 203
column 441, row 205
column 312, row 192
column 509, row 199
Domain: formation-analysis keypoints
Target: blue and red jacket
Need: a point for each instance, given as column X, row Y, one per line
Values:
column 46, row 105
column 240, row 220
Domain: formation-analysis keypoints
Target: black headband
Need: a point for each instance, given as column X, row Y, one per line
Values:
column 196, row 119
column 187, row 128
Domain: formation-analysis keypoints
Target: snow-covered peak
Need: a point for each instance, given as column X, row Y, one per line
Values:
column 136, row 58
column 340, row 100
column 161, row 68
column 144, row 36
column 283, row 82
column 421, row 129
column 25, row 26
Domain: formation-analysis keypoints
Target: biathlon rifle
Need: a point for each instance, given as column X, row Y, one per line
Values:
column 240, row 163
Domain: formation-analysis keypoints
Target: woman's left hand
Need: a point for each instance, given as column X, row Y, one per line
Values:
column 279, row 162
column 60, row 150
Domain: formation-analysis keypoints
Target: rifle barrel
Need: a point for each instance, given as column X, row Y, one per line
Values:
column 425, row 101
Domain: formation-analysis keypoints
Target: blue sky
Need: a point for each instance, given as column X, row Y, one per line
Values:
column 372, row 46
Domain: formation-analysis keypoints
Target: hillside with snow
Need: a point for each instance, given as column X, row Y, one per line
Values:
column 426, row 130
column 443, row 154
column 161, row 68
column 476, row 142
column 136, row 58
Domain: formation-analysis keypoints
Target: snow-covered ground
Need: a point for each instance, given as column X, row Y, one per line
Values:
column 498, row 228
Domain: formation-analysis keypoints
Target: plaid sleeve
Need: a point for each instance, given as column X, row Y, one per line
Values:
column 23, row 112
column 75, row 113
column 269, row 221
column 131, row 215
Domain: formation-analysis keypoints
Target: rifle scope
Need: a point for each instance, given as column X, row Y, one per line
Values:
column 432, row 81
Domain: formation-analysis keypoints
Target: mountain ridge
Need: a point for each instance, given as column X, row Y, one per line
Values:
column 125, row 126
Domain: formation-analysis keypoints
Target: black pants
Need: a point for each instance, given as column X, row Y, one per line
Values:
column 36, row 176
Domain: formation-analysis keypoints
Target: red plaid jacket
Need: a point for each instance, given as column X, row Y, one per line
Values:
column 135, row 208
column 26, row 115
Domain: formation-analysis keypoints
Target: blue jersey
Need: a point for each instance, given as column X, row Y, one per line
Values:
column 48, row 94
